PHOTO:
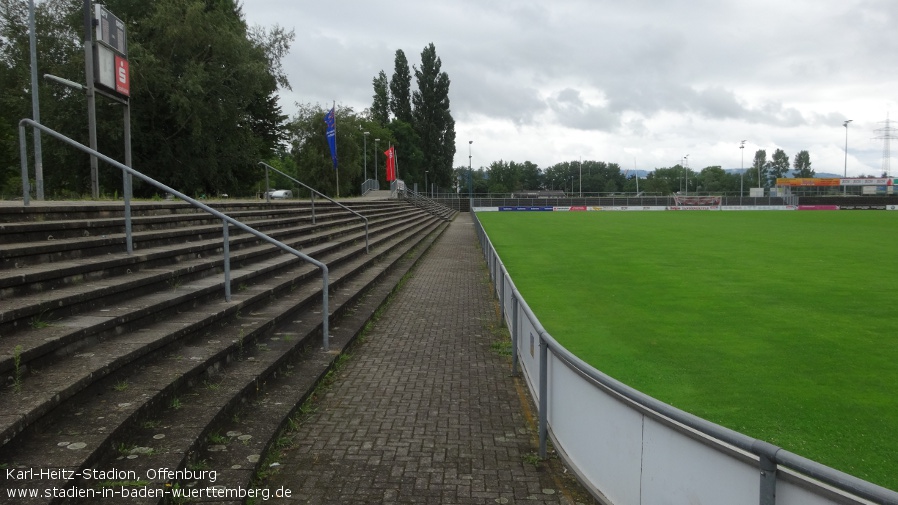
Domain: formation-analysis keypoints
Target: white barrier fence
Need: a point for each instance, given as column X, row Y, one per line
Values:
column 630, row 449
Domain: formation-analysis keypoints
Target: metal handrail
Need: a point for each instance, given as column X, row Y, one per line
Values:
column 314, row 192
column 423, row 202
column 226, row 220
column 370, row 185
column 769, row 455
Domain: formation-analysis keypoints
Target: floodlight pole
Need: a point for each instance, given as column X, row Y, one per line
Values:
column 470, row 174
column 375, row 162
column 742, row 172
column 845, row 124
column 35, row 106
column 91, row 98
column 366, row 153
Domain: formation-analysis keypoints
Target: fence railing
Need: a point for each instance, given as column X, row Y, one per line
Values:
column 422, row 202
column 370, row 185
column 226, row 220
column 313, row 192
column 625, row 201
column 629, row 448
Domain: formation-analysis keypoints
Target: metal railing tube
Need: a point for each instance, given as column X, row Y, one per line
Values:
column 767, row 461
column 543, row 395
column 514, row 333
column 23, row 153
column 322, row 195
column 153, row 182
column 129, row 238
column 226, row 251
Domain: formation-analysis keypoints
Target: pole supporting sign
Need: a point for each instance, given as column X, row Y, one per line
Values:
column 111, row 53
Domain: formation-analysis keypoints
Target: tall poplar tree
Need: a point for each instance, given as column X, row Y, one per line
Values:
column 779, row 166
column 802, row 165
column 400, row 89
column 380, row 106
column 432, row 118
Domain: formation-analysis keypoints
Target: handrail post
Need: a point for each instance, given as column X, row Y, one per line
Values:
column 267, row 187
column 227, row 260
column 513, row 331
column 502, row 292
column 543, row 395
column 325, row 315
column 767, row 461
column 23, row 153
column 313, row 207
column 129, row 239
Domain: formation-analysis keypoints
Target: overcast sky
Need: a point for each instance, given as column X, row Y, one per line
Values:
column 640, row 83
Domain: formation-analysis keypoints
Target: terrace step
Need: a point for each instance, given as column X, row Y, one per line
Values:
column 104, row 329
column 25, row 291
column 84, row 355
column 236, row 376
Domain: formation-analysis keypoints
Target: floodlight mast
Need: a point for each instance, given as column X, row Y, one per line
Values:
column 845, row 124
column 35, row 106
column 91, row 98
column 742, row 172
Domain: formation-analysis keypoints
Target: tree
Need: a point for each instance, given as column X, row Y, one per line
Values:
column 311, row 153
column 409, row 157
column 779, row 167
column 432, row 118
column 400, row 89
column 504, row 177
column 802, row 165
column 530, row 176
column 203, row 93
column 380, row 107
column 757, row 174
column 59, row 52
column 716, row 180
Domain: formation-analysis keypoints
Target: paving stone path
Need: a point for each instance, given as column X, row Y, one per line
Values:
column 425, row 411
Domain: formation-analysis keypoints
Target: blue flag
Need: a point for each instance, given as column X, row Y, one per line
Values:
column 330, row 120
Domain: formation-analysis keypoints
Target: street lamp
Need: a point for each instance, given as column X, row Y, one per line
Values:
column 741, row 172
column 845, row 124
column 376, row 182
column 686, row 173
column 470, row 172
column 366, row 154
column 426, row 187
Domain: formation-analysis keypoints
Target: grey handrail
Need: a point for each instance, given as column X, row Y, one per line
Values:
column 314, row 192
column 424, row 202
column 769, row 455
column 225, row 218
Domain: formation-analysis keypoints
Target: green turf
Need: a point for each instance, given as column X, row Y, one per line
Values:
column 780, row 325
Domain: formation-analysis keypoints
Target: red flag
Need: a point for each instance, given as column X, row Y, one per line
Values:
column 391, row 164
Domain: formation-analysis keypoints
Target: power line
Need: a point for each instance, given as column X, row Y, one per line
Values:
column 886, row 134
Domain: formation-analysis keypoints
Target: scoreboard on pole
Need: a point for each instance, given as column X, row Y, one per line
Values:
column 111, row 53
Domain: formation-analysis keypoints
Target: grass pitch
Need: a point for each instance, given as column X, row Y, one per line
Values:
column 780, row 325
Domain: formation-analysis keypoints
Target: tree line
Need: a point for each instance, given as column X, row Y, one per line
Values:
column 591, row 176
column 204, row 104
column 205, row 108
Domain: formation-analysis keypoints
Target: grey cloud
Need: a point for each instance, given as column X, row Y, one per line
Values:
column 572, row 111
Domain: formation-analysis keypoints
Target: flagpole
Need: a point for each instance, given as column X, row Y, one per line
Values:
column 335, row 148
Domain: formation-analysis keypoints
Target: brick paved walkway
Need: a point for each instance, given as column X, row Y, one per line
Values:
column 425, row 411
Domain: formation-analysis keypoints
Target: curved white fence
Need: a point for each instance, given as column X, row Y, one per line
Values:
column 630, row 449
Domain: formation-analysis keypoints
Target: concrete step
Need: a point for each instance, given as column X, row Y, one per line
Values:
column 197, row 347
column 124, row 336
